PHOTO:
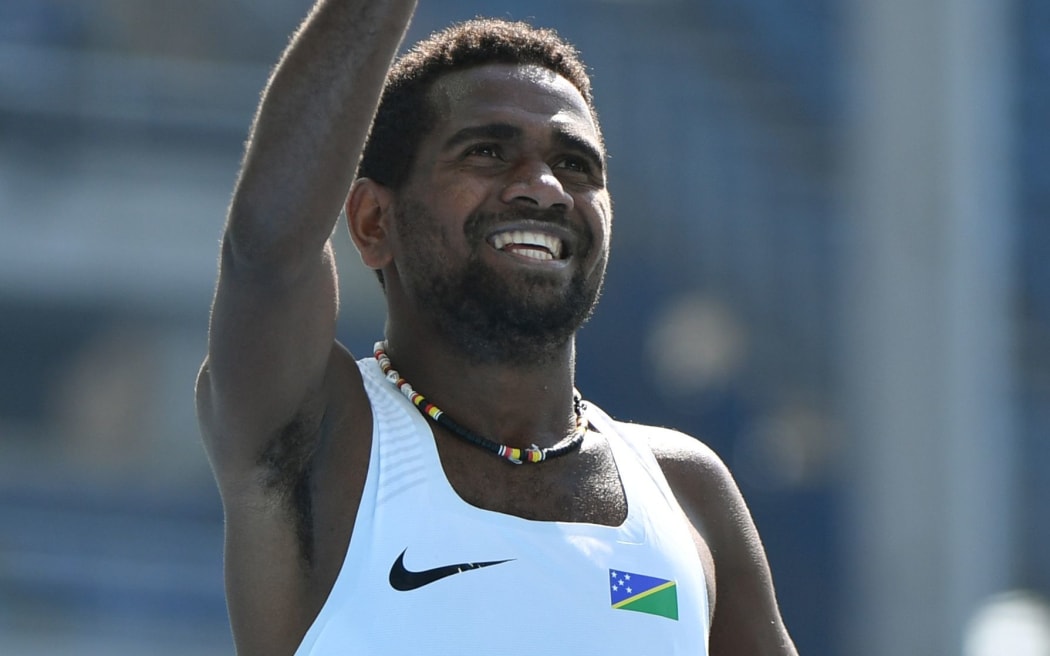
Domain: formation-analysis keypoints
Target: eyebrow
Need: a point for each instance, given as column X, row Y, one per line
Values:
column 508, row 132
column 494, row 131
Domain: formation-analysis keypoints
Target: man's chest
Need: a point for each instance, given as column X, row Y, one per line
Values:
column 583, row 486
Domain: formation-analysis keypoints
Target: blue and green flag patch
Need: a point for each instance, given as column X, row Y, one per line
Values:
column 643, row 594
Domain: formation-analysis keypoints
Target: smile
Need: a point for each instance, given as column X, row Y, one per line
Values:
column 531, row 244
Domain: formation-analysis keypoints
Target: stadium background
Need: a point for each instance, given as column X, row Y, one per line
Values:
column 830, row 262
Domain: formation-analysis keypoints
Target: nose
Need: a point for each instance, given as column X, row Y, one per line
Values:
column 535, row 184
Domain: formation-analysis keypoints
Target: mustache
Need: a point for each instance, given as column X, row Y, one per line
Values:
column 478, row 223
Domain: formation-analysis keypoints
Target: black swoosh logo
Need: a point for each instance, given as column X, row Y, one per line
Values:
column 405, row 580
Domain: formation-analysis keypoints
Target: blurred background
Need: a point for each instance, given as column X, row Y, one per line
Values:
column 831, row 261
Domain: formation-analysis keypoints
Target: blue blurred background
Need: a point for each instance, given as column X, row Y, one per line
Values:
column 830, row 262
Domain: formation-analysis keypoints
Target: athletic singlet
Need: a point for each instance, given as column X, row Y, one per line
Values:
column 428, row 573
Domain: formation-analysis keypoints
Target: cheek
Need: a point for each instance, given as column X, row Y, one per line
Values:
column 603, row 213
column 607, row 216
column 466, row 199
column 460, row 196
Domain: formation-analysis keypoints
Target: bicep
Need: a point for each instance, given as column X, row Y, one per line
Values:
column 746, row 617
column 269, row 341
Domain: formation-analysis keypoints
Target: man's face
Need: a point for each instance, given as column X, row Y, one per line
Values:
column 503, row 227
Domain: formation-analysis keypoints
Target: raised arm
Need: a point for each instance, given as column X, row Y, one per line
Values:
column 273, row 319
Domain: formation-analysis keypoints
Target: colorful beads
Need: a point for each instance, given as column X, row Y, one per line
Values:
column 515, row 455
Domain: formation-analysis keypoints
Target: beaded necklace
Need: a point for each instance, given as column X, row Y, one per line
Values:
column 511, row 454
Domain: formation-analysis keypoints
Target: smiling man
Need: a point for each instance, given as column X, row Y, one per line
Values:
column 451, row 493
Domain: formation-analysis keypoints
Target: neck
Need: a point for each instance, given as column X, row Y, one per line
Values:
column 516, row 403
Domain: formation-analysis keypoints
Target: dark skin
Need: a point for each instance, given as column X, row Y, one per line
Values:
column 282, row 407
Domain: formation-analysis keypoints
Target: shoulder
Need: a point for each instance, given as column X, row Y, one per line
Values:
column 701, row 483
column 704, row 487
column 746, row 618
column 692, row 468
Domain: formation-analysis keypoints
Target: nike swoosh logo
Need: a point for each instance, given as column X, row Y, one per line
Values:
column 404, row 580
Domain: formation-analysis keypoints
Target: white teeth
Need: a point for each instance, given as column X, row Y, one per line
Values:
column 535, row 254
column 538, row 245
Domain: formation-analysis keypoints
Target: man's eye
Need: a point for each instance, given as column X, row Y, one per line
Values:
column 483, row 150
column 575, row 164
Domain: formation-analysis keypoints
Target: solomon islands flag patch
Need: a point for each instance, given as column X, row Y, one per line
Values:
column 644, row 594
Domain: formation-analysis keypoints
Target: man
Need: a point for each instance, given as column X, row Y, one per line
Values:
column 517, row 519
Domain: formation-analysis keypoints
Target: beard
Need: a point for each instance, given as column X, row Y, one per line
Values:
column 486, row 314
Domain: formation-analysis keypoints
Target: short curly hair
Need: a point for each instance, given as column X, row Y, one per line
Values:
column 404, row 116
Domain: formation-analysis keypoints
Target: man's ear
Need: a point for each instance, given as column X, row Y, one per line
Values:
column 369, row 209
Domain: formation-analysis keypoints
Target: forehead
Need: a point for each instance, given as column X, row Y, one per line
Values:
column 510, row 93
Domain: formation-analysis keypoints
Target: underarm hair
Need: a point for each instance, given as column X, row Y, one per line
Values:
column 286, row 463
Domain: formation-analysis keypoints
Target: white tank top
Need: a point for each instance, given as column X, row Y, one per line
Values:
column 477, row 582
